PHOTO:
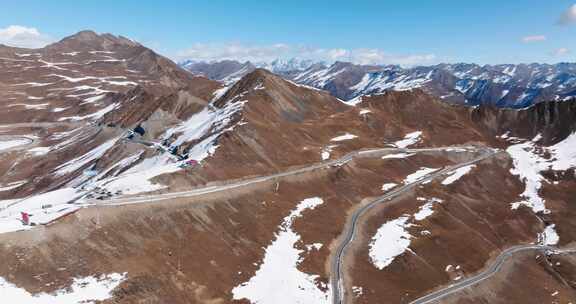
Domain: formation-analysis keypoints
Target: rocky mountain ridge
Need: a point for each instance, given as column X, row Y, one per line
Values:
column 505, row 85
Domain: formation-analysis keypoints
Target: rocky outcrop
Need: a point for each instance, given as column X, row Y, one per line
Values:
column 553, row 120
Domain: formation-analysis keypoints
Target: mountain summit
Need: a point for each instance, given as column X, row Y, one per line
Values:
column 91, row 41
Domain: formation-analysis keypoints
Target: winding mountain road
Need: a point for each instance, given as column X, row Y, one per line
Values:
column 337, row 273
column 250, row 181
column 336, row 280
column 489, row 272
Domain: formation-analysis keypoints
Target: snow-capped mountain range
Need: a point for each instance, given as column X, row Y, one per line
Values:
column 230, row 71
column 506, row 85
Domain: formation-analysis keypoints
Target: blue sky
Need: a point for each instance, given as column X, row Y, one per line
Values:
column 405, row 32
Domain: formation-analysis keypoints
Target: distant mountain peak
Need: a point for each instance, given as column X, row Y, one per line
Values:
column 90, row 40
column 84, row 35
column 280, row 65
column 506, row 85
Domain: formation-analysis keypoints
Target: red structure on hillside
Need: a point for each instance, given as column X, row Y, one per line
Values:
column 25, row 218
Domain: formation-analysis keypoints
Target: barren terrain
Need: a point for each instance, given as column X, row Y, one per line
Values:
column 178, row 189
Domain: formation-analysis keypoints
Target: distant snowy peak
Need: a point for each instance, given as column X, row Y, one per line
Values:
column 287, row 65
column 501, row 85
column 506, row 85
column 230, row 71
column 226, row 71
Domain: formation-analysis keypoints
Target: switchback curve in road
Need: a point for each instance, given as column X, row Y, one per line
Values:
column 336, row 264
column 336, row 269
column 336, row 273
column 489, row 272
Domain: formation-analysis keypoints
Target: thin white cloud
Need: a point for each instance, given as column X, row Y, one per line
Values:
column 569, row 16
column 267, row 53
column 21, row 36
column 234, row 51
column 376, row 56
column 534, row 38
column 561, row 52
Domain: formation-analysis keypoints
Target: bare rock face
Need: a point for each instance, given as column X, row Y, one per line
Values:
column 552, row 120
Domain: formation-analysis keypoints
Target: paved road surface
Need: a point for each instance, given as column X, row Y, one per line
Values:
column 489, row 272
column 337, row 275
column 246, row 182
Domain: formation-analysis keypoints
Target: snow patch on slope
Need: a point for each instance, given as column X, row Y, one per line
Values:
column 344, row 137
column 43, row 209
column 391, row 240
column 564, row 154
column 457, row 174
column 85, row 159
column 418, row 175
column 397, row 155
column 549, row 236
column 327, row 151
column 209, row 120
column 82, row 290
column 12, row 185
column 12, row 143
column 409, row 139
column 94, row 116
column 364, row 111
column 388, row 186
column 528, row 165
column 137, row 179
column 354, row 101
column 426, row 210
column 278, row 280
